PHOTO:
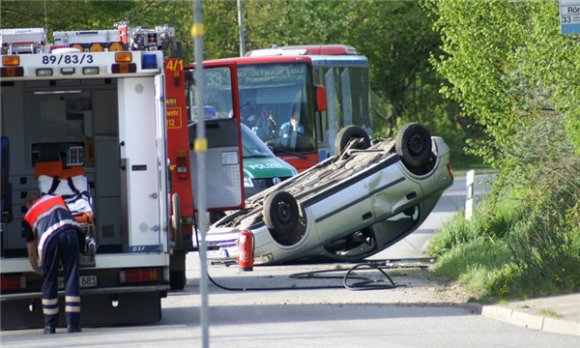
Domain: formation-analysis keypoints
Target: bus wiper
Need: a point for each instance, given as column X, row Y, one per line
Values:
column 285, row 151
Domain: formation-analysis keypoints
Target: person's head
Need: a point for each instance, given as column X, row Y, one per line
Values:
column 293, row 120
column 31, row 198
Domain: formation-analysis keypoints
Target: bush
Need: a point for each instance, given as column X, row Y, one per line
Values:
column 525, row 239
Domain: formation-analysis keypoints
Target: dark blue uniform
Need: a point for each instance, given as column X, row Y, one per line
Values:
column 53, row 226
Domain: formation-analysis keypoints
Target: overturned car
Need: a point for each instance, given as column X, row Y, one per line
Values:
column 348, row 207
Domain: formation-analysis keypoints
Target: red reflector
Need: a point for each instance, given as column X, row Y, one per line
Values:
column 13, row 282
column 12, row 71
column 124, row 68
column 141, row 275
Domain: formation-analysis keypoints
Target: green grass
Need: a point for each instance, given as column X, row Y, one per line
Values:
column 550, row 313
column 461, row 165
column 513, row 247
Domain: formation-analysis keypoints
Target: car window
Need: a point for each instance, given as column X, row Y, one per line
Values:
column 253, row 146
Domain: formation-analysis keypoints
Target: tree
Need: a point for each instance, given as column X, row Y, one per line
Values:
column 507, row 63
column 397, row 37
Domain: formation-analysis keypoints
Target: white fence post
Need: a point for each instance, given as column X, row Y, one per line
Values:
column 469, row 181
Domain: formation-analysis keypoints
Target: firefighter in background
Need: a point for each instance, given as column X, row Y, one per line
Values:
column 51, row 229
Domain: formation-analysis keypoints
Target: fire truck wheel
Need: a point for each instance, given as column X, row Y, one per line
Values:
column 346, row 134
column 177, row 280
column 413, row 145
column 281, row 212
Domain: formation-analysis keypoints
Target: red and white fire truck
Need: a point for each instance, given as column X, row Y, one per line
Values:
column 100, row 117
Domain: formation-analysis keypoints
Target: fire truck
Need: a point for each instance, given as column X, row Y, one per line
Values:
column 100, row 118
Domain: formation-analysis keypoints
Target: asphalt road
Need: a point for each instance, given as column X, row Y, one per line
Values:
column 414, row 314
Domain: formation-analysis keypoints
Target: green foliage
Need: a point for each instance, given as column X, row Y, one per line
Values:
column 492, row 221
column 525, row 239
column 404, row 84
column 474, row 263
column 507, row 63
column 512, row 71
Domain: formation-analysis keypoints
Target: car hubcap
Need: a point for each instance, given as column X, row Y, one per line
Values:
column 283, row 212
column 415, row 144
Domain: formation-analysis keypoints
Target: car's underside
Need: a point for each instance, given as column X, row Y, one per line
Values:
column 363, row 173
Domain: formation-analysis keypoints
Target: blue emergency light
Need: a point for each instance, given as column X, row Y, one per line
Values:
column 149, row 61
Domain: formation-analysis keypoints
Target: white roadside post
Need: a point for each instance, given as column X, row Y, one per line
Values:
column 469, row 183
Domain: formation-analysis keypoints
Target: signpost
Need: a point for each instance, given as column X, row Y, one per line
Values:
column 570, row 16
column 469, row 183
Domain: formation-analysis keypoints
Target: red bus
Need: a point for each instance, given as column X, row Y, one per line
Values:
column 271, row 91
column 345, row 76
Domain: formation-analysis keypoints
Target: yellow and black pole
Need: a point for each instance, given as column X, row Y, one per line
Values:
column 200, row 148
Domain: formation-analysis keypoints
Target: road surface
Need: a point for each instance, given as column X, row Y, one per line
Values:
column 417, row 313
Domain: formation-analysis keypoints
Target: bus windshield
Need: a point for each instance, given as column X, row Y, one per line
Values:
column 276, row 103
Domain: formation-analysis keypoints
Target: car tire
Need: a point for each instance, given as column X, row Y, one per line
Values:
column 413, row 145
column 177, row 280
column 346, row 134
column 281, row 212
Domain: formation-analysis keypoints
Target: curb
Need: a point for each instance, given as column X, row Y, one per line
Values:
column 531, row 321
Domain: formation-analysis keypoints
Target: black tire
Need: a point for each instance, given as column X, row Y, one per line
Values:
column 281, row 212
column 413, row 145
column 346, row 134
column 177, row 280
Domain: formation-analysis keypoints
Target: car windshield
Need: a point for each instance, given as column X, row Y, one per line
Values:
column 253, row 146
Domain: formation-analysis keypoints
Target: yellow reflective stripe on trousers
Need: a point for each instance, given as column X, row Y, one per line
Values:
column 72, row 299
column 49, row 301
column 71, row 309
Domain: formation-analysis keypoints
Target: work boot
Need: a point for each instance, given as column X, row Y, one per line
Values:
column 49, row 330
column 73, row 328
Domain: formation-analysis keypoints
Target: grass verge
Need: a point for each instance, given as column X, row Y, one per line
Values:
column 516, row 246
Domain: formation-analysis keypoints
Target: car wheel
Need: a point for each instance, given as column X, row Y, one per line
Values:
column 177, row 280
column 348, row 133
column 281, row 212
column 413, row 145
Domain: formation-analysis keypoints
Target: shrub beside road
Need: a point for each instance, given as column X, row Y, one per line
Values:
column 524, row 239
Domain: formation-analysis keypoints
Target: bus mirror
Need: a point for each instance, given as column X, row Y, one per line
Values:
column 320, row 98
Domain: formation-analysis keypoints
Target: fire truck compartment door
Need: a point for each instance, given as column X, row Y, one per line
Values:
column 140, row 176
